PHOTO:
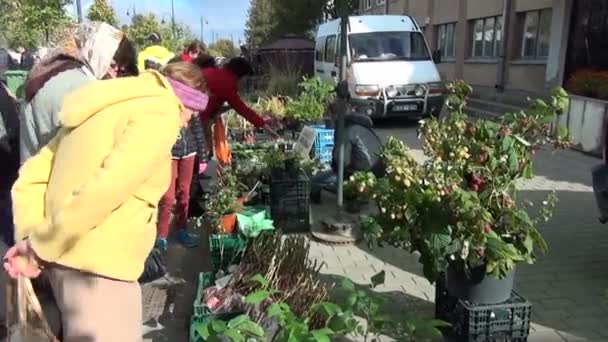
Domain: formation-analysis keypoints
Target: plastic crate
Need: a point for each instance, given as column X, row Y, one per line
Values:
column 290, row 202
column 201, row 312
column 15, row 79
column 323, row 153
column 508, row 321
column 226, row 250
column 325, row 136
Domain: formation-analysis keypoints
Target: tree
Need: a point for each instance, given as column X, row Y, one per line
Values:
column 31, row 23
column 224, row 48
column 260, row 24
column 101, row 10
column 333, row 9
column 143, row 25
column 297, row 16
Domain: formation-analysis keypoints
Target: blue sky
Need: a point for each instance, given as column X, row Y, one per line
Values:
column 222, row 18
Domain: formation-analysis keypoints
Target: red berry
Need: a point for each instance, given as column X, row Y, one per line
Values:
column 475, row 187
column 487, row 229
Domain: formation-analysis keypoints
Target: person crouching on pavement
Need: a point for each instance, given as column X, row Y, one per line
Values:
column 86, row 204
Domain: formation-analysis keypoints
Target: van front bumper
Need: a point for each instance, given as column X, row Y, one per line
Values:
column 415, row 108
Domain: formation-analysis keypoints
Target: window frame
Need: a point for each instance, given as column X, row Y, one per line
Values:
column 320, row 49
column 540, row 14
column 326, row 44
column 444, row 42
column 367, row 4
column 495, row 48
column 380, row 2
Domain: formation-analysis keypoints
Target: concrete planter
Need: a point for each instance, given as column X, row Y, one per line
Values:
column 586, row 121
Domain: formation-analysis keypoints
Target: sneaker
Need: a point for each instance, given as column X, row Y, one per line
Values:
column 187, row 239
column 162, row 243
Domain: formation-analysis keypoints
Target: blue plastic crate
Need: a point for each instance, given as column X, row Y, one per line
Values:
column 323, row 153
column 325, row 136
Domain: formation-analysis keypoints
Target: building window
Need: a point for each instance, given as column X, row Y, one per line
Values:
column 380, row 2
column 367, row 4
column 445, row 40
column 319, row 49
column 330, row 49
column 487, row 37
column 536, row 33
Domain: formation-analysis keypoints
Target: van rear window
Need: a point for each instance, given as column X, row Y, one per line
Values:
column 381, row 46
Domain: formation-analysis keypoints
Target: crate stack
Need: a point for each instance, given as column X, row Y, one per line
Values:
column 202, row 313
column 508, row 321
column 323, row 146
column 290, row 201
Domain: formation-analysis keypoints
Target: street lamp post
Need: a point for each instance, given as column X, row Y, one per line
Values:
column 79, row 10
column 173, row 19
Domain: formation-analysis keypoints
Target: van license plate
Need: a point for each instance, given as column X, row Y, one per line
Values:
column 405, row 108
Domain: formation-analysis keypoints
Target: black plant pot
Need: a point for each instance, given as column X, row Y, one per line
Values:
column 354, row 206
column 291, row 168
column 479, row 287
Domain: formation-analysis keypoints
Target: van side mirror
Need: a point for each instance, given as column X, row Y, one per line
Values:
column 437, row 56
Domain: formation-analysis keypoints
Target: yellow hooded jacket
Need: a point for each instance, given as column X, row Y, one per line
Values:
column 88, row 200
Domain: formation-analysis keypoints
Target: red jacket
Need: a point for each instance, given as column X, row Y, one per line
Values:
column 222, row 86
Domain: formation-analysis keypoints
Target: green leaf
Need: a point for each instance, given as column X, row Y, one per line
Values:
column 529, row 170
column 258, row 278
column 378, row 279
column 218, row 326
column 234, row 335
column 252, row 328
column 322, row 335
column 202, row 329
column 274, row 310
column 329, row 309
column 529, row 244
column 238, row 321
column 347, row 284
column 507, row 142
column 513, row 162
column 562, row 132
column 256, row 298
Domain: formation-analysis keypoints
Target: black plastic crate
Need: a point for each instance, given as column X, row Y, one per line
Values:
column 508, row 321
column 290, row 201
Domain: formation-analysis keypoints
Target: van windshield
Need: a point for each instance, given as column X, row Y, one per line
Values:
column 383, row 46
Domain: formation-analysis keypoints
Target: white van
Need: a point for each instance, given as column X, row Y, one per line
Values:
column 390, row 70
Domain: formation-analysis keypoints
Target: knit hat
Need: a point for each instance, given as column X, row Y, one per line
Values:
column 189, row 97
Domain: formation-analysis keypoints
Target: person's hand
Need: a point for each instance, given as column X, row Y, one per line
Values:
column 21, row 259
column 202, row 167
column 274, row 135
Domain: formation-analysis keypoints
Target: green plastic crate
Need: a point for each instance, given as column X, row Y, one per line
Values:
column 15, row 79
column 201, row 312
column 226, row 250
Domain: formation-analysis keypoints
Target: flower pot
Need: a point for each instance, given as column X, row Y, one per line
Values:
column 228, row 223
column 479, row 287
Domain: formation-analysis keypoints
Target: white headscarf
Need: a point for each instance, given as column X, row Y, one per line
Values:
column 92, row 43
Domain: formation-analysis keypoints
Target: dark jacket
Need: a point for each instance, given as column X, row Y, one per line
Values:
column 9, row 141
column 190, row 141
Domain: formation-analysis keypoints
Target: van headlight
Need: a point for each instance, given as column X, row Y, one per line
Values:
column 367, row 90
column 420, row 91
column 392, row 91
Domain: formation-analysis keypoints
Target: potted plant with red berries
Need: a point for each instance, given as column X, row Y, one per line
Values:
column 459, row 208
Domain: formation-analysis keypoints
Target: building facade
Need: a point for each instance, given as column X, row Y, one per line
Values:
column 518, row 45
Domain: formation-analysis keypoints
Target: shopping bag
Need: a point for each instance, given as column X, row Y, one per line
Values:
column 222, row 150
column 25, row 319
column 154, row 267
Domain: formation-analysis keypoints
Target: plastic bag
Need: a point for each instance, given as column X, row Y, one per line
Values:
column 25, row 320
column 222, row 150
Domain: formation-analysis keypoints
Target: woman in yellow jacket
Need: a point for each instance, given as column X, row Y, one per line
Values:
column 85, row 206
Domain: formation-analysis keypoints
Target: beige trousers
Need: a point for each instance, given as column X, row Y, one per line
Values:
column 96, row 309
